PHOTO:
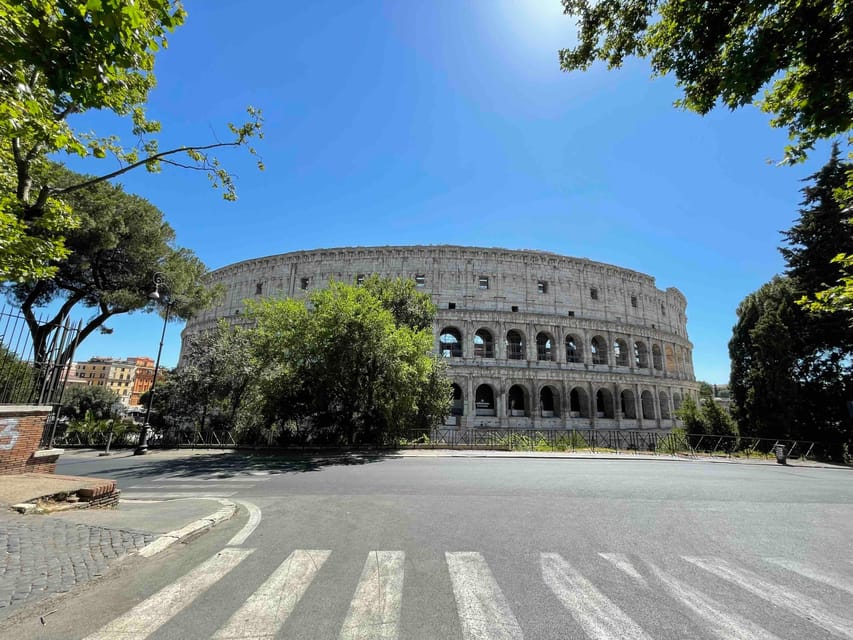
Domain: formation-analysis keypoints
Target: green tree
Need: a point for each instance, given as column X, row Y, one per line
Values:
column 765, row 351
column 801, row 53
column 716, row 420
column 121, row 241
column 17, row 378
column 410, row 307
column 690, row 416
column 80, row 400
column 59, row 58
column 705, row 390
column 345, row 366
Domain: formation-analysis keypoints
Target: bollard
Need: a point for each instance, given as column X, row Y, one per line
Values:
column 781, row 456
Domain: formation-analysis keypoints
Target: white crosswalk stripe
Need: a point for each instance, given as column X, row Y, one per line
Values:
column 832, row 579
column 151, row 614
column 375, row 610
column 374, row 613
column 214, row 485
column 483, row 610
column 797, row 603
column 265, row 612
column 592, row 610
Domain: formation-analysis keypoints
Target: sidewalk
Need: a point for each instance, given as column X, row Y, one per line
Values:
column 41, row 555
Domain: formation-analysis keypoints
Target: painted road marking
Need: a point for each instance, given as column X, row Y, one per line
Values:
column 798, row 603
column 265, row 612
column 483, row 610
column 621, row 561
column 592, row 610
column 153, row 612
column 374, row 613
column 832, row 579
column 250, row 526
column 173, row 495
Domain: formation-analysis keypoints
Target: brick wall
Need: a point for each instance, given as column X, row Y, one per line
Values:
column 21, row 428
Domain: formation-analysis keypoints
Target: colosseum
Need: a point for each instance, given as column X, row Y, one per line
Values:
column 532, row 339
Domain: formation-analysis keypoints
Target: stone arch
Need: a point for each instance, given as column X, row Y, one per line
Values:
column 676, row 401
column 518, row 401
column 457, row 408
column 664, row 406
column 515, row 345
column 484, row 400
column 620, row 352
column 450, row 342
column 648, row 402
column 670, row 359
column 641, row 355
column 579, row 402
column 484, row 344
column 574, row 349
column 544, row 346
column 604, row 403
column 549, row 401
column 657, row 361
column 598, row 348
column 627, row 404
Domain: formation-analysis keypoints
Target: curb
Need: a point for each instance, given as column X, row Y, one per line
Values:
column 196, row 527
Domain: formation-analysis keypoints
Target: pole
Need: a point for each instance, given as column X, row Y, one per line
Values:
column 142, row 449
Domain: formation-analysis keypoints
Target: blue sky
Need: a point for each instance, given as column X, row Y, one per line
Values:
column 451, row 122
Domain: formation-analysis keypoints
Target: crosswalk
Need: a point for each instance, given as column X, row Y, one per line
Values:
column 211, row 485
column 706, row 592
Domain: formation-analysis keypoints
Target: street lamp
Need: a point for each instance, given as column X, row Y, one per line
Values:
column 160, row 281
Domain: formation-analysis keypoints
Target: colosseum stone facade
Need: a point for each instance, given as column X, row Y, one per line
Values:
column 532, row 339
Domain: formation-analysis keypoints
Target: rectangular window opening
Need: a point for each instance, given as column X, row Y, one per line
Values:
column 571, row 314
column 303, row 284
column 484, row 282
column 259, row 288
column 359, row 279
column 420, row 280
column 542, row 286
column 451, row 305
column 593, row 293
column 634, row 301
column 514, row 309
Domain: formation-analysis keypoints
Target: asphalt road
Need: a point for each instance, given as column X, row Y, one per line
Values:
column 471, row 548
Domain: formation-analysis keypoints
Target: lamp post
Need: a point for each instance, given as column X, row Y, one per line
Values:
column 159, row 281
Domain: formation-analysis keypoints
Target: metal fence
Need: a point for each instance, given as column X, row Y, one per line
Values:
column 32, row 374
column 567, row 440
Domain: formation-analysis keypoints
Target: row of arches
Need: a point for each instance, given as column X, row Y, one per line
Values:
column 518, row 403
column 618, row 354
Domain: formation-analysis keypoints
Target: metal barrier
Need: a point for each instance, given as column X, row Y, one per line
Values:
column 568, row 440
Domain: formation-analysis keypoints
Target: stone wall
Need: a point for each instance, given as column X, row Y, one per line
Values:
column 21, row 429
column 542, row 297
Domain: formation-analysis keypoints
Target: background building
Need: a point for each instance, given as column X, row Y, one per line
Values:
column 128, row 378
column 533, row 339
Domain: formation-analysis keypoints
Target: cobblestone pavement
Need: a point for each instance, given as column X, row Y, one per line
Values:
column 40, row 555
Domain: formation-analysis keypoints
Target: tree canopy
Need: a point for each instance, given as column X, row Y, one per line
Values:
column 98, row 401
column 119, row 244
column 727, row 51
column 59, row 58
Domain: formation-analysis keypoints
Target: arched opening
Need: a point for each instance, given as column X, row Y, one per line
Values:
column 664, row 406
column 628, row 406
column 458, row 406
column 579, row 403
column 603, row 403
column 549, row 402
column 484, row 400
column 515, row 400
column 620, row 353
column 676, row 401
column 599, row 350
column 543, row 347
column 670, row 359
column 641, row 355
column 656, row 357
column 450, row 340
column 648, row 402
column 574, row 349
column 514, row 345
column 484, row 344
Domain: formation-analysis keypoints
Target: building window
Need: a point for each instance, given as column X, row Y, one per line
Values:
column 451, row 343
column 593, row 293
column 514, row 345
column 514, row 309
column 451, row 305
column 359, row 279
column 259, row 288
column 542, row 286
column 484, row 344
column 420, row 280
column 484, row 282
column 303, row 284
column 571, row 314
column 662, row 310
column 634, row 301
